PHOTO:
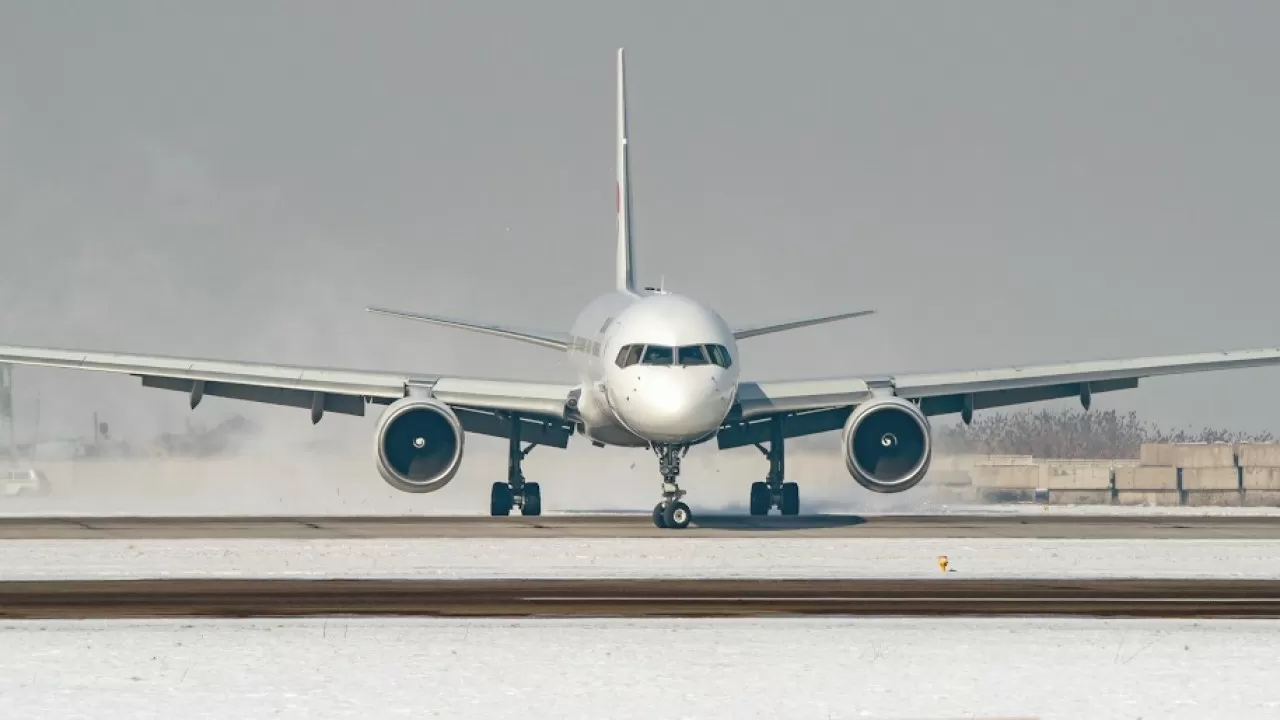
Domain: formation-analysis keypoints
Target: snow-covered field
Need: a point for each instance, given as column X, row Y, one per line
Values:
column 795, row 669
column 626, row 557
column 820, row 668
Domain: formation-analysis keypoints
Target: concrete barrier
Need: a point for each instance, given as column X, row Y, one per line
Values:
column 1188, row 455
column 1260, row 478
column 1258, row 455
column 1261, row 498
column 1012, row 477
column 1076, row 475
column 1147, row 478
column 1213, row 498
column 1210, row 478
column 1148, row 497
column 1079, row 497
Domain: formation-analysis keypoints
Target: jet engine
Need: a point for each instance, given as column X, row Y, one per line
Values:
column 418, row 445
column 886, row 443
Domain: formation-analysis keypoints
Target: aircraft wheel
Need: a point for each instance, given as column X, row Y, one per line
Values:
column 532, row 499
column 759, row 498
column 658, row 519
column 500, row 499
column 790, row 499
column 677, row 515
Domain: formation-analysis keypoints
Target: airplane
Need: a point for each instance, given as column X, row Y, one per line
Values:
column 655, row 369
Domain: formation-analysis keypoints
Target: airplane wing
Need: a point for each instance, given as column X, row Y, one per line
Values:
column 542, row 338
column 320, row 389
column 822, row 405
column 749, row 331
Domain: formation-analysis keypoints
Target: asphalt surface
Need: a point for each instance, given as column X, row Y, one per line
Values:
column 636, row 598
column 607, row 526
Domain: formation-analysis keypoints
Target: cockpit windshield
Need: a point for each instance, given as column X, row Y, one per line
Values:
column 656, row 355
column 692, row 355
column 665, row 355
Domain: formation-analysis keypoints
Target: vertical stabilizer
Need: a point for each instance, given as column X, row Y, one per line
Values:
column 625, row 270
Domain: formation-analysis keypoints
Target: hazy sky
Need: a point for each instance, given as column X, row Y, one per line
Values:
column 1007, row 182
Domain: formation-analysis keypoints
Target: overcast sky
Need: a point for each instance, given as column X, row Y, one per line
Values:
column 1006, row 182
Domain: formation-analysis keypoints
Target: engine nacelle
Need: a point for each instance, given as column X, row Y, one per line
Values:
column 887, row 445
column 418, row 445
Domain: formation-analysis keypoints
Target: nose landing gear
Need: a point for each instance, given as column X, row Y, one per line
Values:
column 671, row 513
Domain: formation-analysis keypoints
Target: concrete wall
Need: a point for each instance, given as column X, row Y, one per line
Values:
column 1172, row 474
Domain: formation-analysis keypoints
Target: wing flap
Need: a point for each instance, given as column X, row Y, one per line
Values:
column 289, row 397
column 947, row 404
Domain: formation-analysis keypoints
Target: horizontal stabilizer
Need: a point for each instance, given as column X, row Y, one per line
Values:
column 754, row 330
column 554, row 340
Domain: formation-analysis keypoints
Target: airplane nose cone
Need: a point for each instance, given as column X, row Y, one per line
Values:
column 673, row 404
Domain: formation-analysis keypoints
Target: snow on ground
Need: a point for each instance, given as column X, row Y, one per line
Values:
column 629, row 557
column 799, row 669
column 1161, row 511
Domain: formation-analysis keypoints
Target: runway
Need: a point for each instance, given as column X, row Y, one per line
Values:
column 84, row 599
column 635, row 526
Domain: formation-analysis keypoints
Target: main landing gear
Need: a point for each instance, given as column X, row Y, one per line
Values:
column 515, row 492
column 671, row 513
column 773, row 492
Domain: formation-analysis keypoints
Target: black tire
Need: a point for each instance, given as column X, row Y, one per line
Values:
column 759, row 499
column 658, row 519
column 532, row 500
column 790, row 499
column 677, row 516
column 499, row 499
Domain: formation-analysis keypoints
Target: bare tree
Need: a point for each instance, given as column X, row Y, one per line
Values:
column 1072, row 434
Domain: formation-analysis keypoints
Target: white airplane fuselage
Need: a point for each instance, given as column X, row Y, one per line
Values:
column 636, row 398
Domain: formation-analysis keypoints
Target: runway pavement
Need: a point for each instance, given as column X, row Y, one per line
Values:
column 608, row 526
column 637, row 598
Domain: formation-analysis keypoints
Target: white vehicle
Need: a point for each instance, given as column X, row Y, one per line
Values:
column 655, row 370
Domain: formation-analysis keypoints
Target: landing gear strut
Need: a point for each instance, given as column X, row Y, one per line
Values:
column 774, row 492
column 515, row 492
column 671, row 512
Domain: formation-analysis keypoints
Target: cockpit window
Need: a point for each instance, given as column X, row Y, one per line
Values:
column 719, row 355
column 684, row 356
column 629, row 355
column 692, row 355
column 657, row 355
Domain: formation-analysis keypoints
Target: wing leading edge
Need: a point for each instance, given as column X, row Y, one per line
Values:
column 822, row 405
